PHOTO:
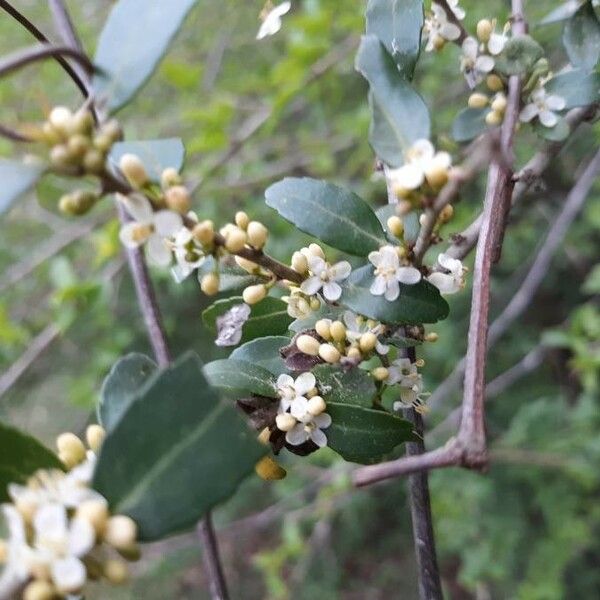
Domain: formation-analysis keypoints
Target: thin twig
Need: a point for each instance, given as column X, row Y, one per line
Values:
column 13, row 135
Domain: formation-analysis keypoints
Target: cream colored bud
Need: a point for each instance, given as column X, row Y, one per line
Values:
column 121, row 531
column 134, row 171
column 323, row 328
column 257, row 234
column 478, row 100
column 102, row 143
column 493, row 118
column 82, row 122
column 26, row 508
column 484, row 30
column 177, row 198
column 235, row 239
column 116, row 571
column 399, row 191
column 94, row 436
column 494, row 83
column 446, row 213
column 299, row 263
column 432, row 337
column 246, row 264
column 307, row 344
column 169, row 177
column 312, row 392
column 78, row 145
column 209, row 284
column 403, row 208
column 380, row 374
column 316, row 250
column 338, row 331
column 241, row 219
column 71, row 446
column 367, row 341
column 499, row 103
column 269, row 470
column 49, row 135
column 60, row 157
column 395, row 226
column 253, row 294
column 61, row 118
column 112, row 129
column 422, row 219
column 420, row 362
column 93, row 161
column 96, row 513
column 204, row 232
column 354, row 353
column 316, row 406
column 437, row 176
column 77, row 203
column 264, row 436
column 315, row 303
column 285, row 422
column 329, row 353
column 438, row 42
column 39, row 590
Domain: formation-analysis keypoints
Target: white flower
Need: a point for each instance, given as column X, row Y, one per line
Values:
column 149, row 228
column 420, row 159
column 323, row 275
column 451, row 282
column 497, row 41
column 310, row 430
column 404, row 373
column 473, row 64
column 188, row 255
column 388, row 273
column 272, row 20
column 291, row 391
column 412, row 395
column 298, row 305
column 437, row 27
column 543, row 106
column 357, row 326
column 20, row 556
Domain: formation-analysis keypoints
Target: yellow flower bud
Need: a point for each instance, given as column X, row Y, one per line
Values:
column 367, row 341
column 316, row 405
column 209, row 284
column 266, row 468
column 338, row 331
column 60, row 157
column 437, row 176
column 380, row 374
column 420, row 362
column 432, row 337
column 39, row 590
column 354, row 353
column 134, row 171
column 494, row 83
column 94, row 436
column 204, row 232
column 241, row 219
column 246, row 264
column 177, row 198
column 499, row 103
column 264, row 436
column 93, row 161
column 329, row 353
column 493, row 118
column 71, row 447
column 49, row 135
column 82, row 122
column 285, row 421
column 315, row 303
column 299, row 263
column 254, row 293
column 323, row 328
column 77, row 203
column 169, row 177
column 120, row 531
column 395, row 226
column 61, row 118
column 484, row 30
column 308, row 345
column 116, row 571
column 399, row 191
column 235, row 239
column 113, row 130
column 477, row 100
column 257, row 234
column 96, row 513
column 78, row 145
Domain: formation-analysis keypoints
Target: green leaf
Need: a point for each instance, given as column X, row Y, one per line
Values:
column 400, row 341
column 20, row 457
column 268, row 317
column 264, row 352
column 121, row 385
column 364, row 435
column 177, row 452
column 397, row 24
column 240, row 377
column 419, row 303
column 556, row 134
column 581, row 37
column 134, row 39
column 156, row 155
column 332, row 214
column 578, row 87
column 591, row 284
column 562, row 12
column 469, row 123
column 400, row 117
column 519, row 55
column 325, row 311
column 17, row 178
column 354, row 386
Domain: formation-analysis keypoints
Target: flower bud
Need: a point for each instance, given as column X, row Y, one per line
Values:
column 71, row 447
column 312, row 392
column 493, row 118
column 315, row 303
column 235, row 239
column 494, row 83
column 437, row 176
column 39, row 590
column 61, row 118
column 477, row 100
column 380, row 374
column 120, row 532
column 316, row 405
column 307, row 344
column 329, row 353
column 96, row 513
column 323, row 328
column 367, row 341
column 204, row 232
column 446, row 213
column 209, row 284
column 257, row 234
column 432, row 337
column 395, row 226
column 116, row 571
column 354, row 353
column 134, row 171
column 102, row 142
column 264, row 436
column 60, row 157
column 93, row 161
column 266, row 468
column 419, row 362
column 253, row 294
column 112, row 129
column 77, row 203
column 499, row 103
column 338, row 331
column 82, row 122
column 438, row 42
column 131, row 553
column 177, row 198
column 246, row 264
column 285, row 422
column 241, row 220
column 169, row 177
column 49, row 135
column 77, row 145
column 299, row 263
column 94, row 436
column 484, row 30
column 400, row 191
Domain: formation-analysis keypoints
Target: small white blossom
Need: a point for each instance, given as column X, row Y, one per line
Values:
column 149, row 227
column 310, row 430
column 438, row 28
column 452, row 281
column 272, row 20
column 298, row 304
column 542, row 106
column 357, row 326
column 188, row 254
column 497, row 41
column 20, row 556
column 325, row 276
column 473, row 64
column 389, row 274
column 291, row 391
column 404, row 373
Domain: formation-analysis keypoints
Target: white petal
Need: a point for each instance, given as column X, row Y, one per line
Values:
column 299, row 407
column 444, row 282
column 129, row 235
column 548, row 118
column 484, row 63
column 284, row 381
column 496, row 43
column 408, row 275
column 69, row 574
column 389, row 257
column 421, row 149
column 450, row 31
column 167, row 222
column 304, row 383
column 158, row 251
column 297, row 435
column 410, row 176
column 442, row 160
column 311, row 285
column 378, row 287
column 332, row 291
column 392, row 290
column 375, row 258
column 447, row 262
column 528, row 113
column 138, row 207
column 282, row 9
column 82, row 537
column 351, row 320
column 340, row 270
column 555, row 102
column 319, row 438
column 469, row 48
column 50, row 521
column 316, row 265
column 322, row 421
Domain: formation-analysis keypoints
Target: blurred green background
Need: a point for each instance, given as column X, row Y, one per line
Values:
column 250, row 113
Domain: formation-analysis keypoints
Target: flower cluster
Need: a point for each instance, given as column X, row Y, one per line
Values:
column 478, row 55
column 438, row 29
column 390, row 273
column 61, row 532
column 542, row 106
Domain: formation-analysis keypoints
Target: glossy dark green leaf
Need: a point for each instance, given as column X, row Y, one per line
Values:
column 268, row 317
column 17, row 178
column 519, row 55
column 419, row 303
column 156, row 155
column 175, row 453
column 332, row 214
column 578, row 87
column 397, row 24
column 121, row 385
column 400, row 117
column 469, row 123
column 555, row 134
column 581, row 37
column 264, row 352
column 354, row 386
column 20, row 456
column 364, row 435
column 239, row 377
column 562, row 13
column 133, row 40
